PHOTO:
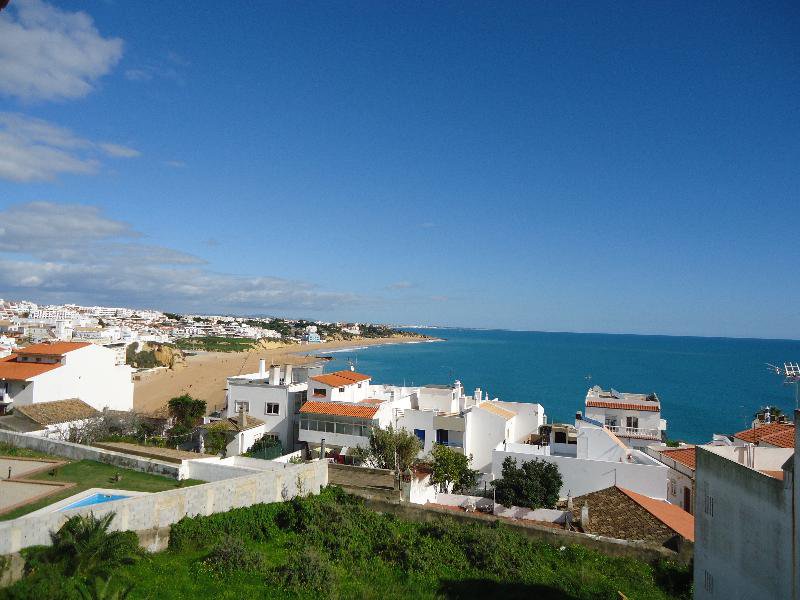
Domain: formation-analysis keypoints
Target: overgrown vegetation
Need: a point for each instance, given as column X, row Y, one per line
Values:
column 143, row 359
column 332, row 546
column 216, row 344
column 534, row 484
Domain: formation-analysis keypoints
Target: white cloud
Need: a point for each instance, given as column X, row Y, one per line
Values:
column 51, row 54
column 60, row 251
column 36, row 150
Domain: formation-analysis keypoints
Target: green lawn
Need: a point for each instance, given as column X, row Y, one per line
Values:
column 91, row 474
column 8, row 450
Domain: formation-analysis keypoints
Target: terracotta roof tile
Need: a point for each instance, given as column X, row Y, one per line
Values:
column 651, row 407
column 340, row 378
column 59, row 411
column 781, row 439
column 774, row 474
column 20, row 371
column 342, row 409
column 754, row 435
column 685, row 456
column 54, row 348
column 672, row 515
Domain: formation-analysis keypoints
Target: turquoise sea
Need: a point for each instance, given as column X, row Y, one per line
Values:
column 706, row 385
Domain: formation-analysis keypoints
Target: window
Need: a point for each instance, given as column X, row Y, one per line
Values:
column 560, row 437
column 359, row 386
column 611, row 421
column 441, row 436
column 633, row 422
column 319, row 392
column 271, row 408
column 708, row 505
column 341, row 389
column 243, row 405
column 708, row 582
column 420, row 433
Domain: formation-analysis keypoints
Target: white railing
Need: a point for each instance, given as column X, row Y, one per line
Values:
column 635, row 432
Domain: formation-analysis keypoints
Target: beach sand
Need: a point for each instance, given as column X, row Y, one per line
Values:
column 203, row 376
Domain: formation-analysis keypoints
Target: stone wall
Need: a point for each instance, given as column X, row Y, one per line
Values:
column 151, row 515
column 79, row 452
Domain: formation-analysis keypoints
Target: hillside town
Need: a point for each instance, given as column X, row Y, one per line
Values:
column 23, row 322
column 617, row 476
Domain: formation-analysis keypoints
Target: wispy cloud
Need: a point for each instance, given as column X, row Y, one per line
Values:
column 400, row 285
column 170, row 67
column 104, row 260
column 36, row 150
column 176, row 164
column 51, row 54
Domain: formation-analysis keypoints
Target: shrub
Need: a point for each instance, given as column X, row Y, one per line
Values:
column 230, row 555
column 306, row 570
column 535, row 484
column 256, row 522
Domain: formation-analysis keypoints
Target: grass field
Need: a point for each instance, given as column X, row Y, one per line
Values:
column 332, row 546
column 90, row 474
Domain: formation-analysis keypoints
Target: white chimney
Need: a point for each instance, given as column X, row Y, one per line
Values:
column 262, row 368
column 288, row 375
column 275, row 378
column 478, row 395
column 584, row 515
column 242, row 416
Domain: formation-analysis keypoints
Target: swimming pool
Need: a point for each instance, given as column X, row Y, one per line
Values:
column 93, row 499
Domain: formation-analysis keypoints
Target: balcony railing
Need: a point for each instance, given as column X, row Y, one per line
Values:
column 635, row 432
column 451, row 444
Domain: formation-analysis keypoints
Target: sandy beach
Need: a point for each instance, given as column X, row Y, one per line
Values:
column 203, row 376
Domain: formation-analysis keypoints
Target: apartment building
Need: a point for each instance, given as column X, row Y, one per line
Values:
column 634, row 418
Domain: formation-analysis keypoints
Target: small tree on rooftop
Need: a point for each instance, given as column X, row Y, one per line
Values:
column 451, row 471
column 186, row 410
column 390, row 449
column 534, row 484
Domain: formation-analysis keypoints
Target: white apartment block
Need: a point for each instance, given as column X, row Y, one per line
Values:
column 746, row 523
column 65, row 370
column 634, row 418
column 590, row 458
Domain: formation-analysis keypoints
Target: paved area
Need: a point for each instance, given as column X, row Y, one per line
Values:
column 19, row 468
column 16, row 493
column 165, row 454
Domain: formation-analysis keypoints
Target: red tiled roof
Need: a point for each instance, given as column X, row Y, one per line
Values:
column 342, row 409
column 781, row 439
column 685, row 456
column 652, row 407
column 20, row 371
column 672, row 515
column 774, row 474
column 340, row 378
column 756, row 434
column 53, row 349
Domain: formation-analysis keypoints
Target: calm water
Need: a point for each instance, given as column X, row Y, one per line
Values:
column 706, row 385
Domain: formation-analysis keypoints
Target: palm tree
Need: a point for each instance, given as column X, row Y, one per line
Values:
column 86, row 548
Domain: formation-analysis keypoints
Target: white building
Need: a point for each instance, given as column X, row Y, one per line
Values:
column 746, row 523
column 272, row 396
column 596, row 460
column 65, row 370
column 681, row 462
column 634, row 418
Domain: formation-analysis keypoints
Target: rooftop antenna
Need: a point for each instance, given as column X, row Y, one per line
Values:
column 791, row 376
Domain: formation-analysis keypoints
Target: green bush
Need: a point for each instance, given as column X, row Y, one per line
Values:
column 306, row 570
column 256, row 523
column 231, row 555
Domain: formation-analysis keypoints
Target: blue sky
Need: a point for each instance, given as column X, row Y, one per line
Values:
column 583, row 166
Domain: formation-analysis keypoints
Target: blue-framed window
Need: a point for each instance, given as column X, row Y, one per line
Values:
column 420, row 433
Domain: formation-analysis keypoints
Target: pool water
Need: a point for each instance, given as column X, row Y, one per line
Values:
column 93, row 499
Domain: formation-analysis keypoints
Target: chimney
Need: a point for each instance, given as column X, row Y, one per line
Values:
column 478, row 395
column 584, row 515
column 288, row 375
column 262, row 368
column 242, row 416
column 275, row 378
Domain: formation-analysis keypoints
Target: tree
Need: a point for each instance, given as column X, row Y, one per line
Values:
column 451, row 470
column 186, row 409
column 390, row 448
column 535, row 484
column 84, row 547
column 216, row 438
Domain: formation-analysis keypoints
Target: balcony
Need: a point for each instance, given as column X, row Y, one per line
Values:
column 635, row 432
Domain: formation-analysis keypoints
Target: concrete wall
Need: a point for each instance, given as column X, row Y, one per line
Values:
column 360, row 476
column 743, row 546
column 155, row 512
column 582, row 476
column 79, row 452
